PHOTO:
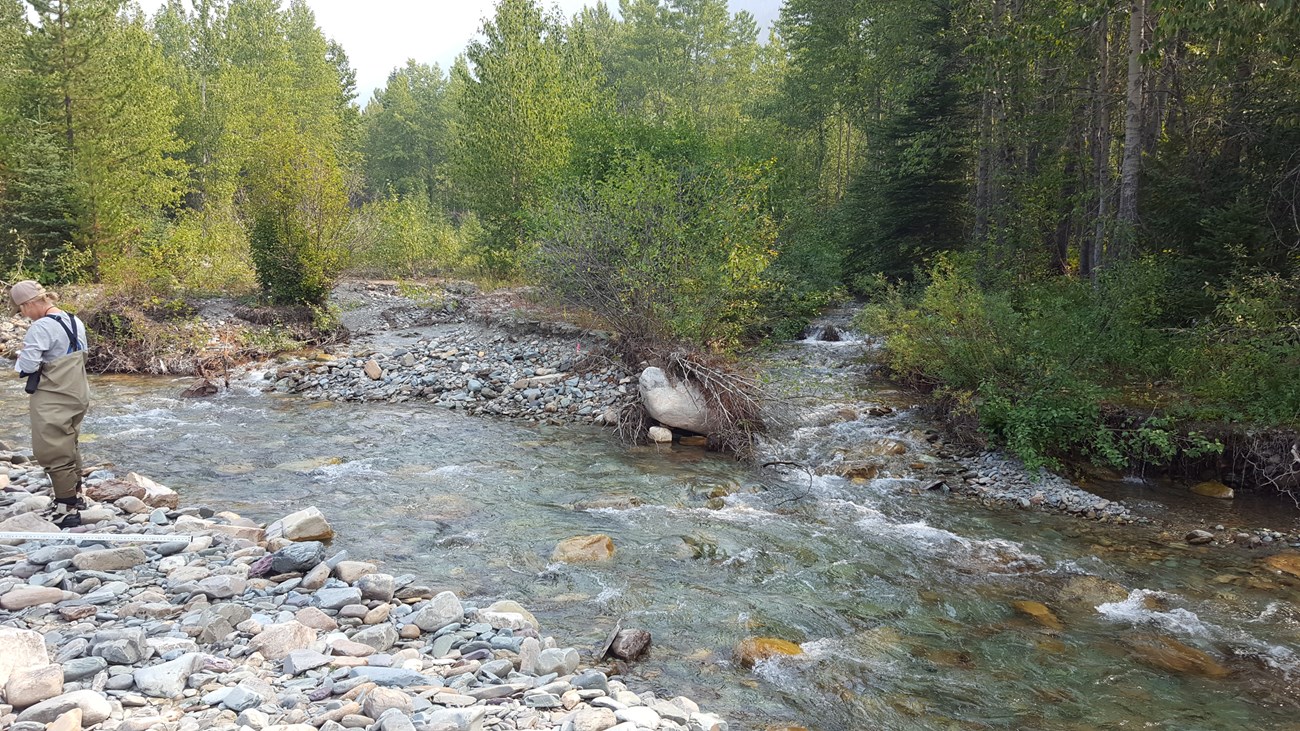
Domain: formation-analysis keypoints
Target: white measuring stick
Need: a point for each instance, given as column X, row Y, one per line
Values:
column 125, row 537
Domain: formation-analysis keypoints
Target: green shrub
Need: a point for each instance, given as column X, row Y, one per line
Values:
column 1039, row 363
column 408, row 237
column 290, row 269
column 660, row 251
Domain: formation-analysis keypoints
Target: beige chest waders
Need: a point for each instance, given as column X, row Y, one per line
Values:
column 57, row 408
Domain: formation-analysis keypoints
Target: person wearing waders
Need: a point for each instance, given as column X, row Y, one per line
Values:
column 53, row 361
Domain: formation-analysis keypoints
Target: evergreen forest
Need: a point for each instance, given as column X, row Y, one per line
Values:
column 1076, row 223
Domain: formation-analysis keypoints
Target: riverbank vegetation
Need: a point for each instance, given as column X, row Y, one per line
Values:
column 1077, row 221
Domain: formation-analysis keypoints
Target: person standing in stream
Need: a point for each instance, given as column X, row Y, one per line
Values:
column 53, row 360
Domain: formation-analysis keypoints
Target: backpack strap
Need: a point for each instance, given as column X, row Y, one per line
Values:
column 73, row 344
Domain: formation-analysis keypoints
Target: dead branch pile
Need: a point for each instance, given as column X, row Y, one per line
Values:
column 735, row 400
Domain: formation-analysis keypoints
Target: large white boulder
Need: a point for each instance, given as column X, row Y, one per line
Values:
column 23, row 649
column 680, row 405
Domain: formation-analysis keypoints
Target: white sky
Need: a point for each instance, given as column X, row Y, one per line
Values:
column 380, row 35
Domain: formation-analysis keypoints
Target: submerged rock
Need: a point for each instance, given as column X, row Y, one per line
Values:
column 1213, row 488
column 584, row 549
column 751, row 650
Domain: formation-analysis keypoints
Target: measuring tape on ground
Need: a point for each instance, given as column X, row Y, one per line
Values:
column 86, row 537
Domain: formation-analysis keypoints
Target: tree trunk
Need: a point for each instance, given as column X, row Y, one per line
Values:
column 1127, row 214
column 1100, row 139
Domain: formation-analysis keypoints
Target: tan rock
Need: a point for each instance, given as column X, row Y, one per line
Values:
column 373, row 370
column 349, row 571
column 1288, row 563
column 1038, row 612
column 1213, row 488
column 276, row 641
column 377, row 615
column 24, row 596
column 70, row 721
column 1169, row 654
column 1091, row 590
column 381, row 699
column 133, row 505
column 348, row 648
column 25, row 523
column 109, row 559
column 660, row 435
column 29, row 686
column 23, row 649
column 316, row 619
column 155, row 495
column 693, row 440
column 584, row 549
column 507, row 614
column 316, row 578
column 753, row 649
column 593, row 719
column 409, row 632
column 306, row 525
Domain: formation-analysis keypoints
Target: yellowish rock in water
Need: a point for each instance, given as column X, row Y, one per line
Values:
column 1285, row 562
column 694, row 441
column 1091, row 590
column 1039, row 613
column 753, row 649
column 584, row 549
column 237, row 468
column 1169, row 654
column 307, row 465
column 1213, row 488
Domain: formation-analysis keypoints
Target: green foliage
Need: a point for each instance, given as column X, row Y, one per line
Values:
column 521, row 92
column 1242, row 362
column 1014, row 358
column 661, row 252
column 408, row 237
column 290, row 270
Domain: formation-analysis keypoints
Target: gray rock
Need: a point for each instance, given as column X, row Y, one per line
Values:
column 298, row 557
column 242, row 698
column 167, row 680
column 591, row 680
column 95, row 708
column 393, row 677
column 337, row 598
column 298, row 662
column 219, row 620
column 457, row 719
column 378, row 587
column 395, row 720
column 82, row 668
column 119, row 646
column 442, row 610
column 110, row 559
column 1199, row 537
column 560, row 661
column 381, row 637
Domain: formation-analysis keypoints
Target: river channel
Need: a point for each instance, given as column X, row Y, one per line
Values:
column 901, row 599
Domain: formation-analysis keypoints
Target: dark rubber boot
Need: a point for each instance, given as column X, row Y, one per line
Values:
column 67, row 512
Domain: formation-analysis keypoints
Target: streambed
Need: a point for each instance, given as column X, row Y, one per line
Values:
column 903, row 600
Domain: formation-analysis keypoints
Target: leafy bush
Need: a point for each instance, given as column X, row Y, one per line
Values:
column 407, row 236
column 661, row 252
column 1242, row 363
column 1038, row 364
column 290, row 270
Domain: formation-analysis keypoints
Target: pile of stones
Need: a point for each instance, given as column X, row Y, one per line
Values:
column 477, row 370
column 1000, row 480
column 238, row 626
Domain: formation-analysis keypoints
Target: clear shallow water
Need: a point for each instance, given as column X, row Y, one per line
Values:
column 901, row 601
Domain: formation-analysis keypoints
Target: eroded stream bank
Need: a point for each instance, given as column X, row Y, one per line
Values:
column 911, row 608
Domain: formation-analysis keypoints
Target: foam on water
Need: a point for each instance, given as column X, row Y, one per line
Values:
column 355, row 468
column 1186, row 623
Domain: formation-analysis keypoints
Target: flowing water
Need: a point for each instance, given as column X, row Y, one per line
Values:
column 901, row 599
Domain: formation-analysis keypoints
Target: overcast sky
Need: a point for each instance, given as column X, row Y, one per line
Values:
column 380, row 35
